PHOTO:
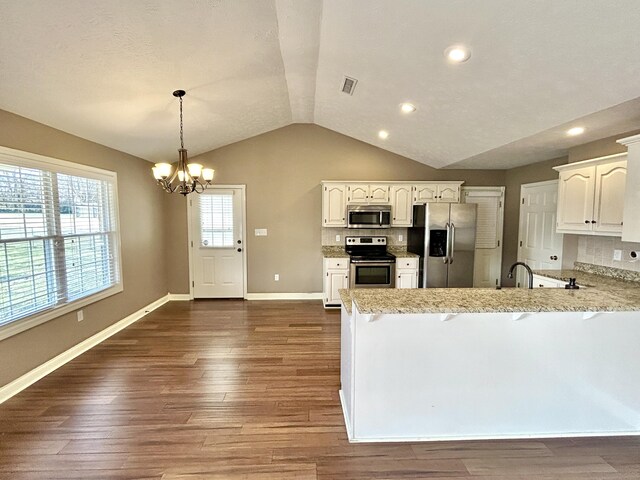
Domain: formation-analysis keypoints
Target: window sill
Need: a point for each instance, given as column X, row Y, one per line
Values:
column 23, row 324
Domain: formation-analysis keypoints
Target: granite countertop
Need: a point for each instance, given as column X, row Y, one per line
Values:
column 401, row 252
column 602, row 294
column 334, row 252
column 345, row 297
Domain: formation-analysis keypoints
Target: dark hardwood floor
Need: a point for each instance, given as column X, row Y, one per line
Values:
column 245, row 390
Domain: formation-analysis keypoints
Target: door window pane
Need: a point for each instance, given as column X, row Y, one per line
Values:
column 216, row 220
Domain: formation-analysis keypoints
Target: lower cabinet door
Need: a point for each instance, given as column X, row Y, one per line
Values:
column 335, row 280
column 406, row 279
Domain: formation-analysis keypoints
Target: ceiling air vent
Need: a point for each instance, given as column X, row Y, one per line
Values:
column 349, row 85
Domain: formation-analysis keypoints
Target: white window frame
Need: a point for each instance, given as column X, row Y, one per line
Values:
column 40, row 162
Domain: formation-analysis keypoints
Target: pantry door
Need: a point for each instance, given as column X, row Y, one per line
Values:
column 539, row 246
column 217, row 242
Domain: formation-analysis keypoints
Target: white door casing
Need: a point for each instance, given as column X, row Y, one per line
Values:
column 217, row 243
column 539, row 245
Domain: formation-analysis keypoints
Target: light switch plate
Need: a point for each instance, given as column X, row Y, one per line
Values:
column 261, row 232
column 617, row 255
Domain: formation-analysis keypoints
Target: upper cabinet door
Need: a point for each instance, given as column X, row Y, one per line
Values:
column 401, row 205
column 575, row 199
column 378, row 193
column 358, row 193
column 610, row 180
column 426, row 192
column 334, row 205
column 449, row 193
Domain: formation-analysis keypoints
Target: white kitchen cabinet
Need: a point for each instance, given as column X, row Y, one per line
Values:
column 425, row 193
column 631, row 226
column 591, row 196
column 407, row 272
column 334, row 205
column 379, row 193
column 363, row 193
column 336, row 276
column 540, row 281
column 609, row 196
column 401, row 205
column 448, row 192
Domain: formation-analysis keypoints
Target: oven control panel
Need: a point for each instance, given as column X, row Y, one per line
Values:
column 365, row 240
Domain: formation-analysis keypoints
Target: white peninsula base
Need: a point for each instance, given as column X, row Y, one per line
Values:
column 408, row 377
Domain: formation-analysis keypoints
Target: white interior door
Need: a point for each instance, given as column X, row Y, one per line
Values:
column 217, row 243
column 539, row 246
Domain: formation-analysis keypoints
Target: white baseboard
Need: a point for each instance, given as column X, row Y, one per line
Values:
column 29, row 378
column 283, row 296
column 179, row 297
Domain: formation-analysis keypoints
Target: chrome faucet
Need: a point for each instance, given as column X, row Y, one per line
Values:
column 529, row 272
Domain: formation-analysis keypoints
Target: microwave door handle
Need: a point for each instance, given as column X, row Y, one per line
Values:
column 380, row 218
column 445, row 259
column 453, row 242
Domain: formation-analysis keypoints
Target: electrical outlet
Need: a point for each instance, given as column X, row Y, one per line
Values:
column 400, row 238
column 617, row 255
column 276, row 277
column 337, row 238
column 261, row 232
column 80, row 315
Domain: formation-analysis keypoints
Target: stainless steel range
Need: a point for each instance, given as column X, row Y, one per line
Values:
column 371, row 265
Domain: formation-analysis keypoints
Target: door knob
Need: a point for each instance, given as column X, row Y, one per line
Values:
column 553, row 257
column 239, row 249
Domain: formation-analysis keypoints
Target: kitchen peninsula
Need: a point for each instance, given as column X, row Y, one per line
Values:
column 441, row 364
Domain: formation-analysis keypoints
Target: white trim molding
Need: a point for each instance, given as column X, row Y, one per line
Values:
column 179, row 297
column 283, row 296
column 41, row 371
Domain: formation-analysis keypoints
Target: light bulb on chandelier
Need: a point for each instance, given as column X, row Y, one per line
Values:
column 189, row 175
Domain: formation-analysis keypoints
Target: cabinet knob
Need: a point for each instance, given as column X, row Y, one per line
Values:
column 593, row 221
column 586, row 221
column 541, row 286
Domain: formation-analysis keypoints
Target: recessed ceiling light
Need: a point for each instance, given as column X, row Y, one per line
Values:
column 407, row 108
column 383, row 134
column 572, row 132
column 457, row 53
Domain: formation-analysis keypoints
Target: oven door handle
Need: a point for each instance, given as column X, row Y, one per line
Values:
column 373, row 263
column 445, row 259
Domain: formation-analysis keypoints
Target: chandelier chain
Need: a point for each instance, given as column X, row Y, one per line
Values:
column 181, row 137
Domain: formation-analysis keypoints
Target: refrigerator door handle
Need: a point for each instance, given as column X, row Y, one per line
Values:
column 445, row 259
column 453, row 241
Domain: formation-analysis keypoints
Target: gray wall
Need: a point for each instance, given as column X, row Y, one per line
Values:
column 143, row 244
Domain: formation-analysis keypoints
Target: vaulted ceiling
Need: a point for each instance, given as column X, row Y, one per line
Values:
column 105, row 70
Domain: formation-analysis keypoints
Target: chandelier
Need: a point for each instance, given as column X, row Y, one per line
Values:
column 191, row 177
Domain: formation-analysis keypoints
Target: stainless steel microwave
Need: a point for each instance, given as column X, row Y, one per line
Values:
column 368, row 216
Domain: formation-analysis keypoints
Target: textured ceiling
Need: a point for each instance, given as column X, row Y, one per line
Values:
column 105, row 71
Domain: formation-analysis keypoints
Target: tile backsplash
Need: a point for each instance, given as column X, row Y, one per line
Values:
column 392, row 234
column 599, row 251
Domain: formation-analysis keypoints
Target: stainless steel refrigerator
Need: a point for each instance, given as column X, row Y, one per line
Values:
column 444, row 235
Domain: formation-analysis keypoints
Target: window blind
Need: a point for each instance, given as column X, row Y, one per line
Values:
column 216, row 216
column 487, row 216
column 58, row 238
